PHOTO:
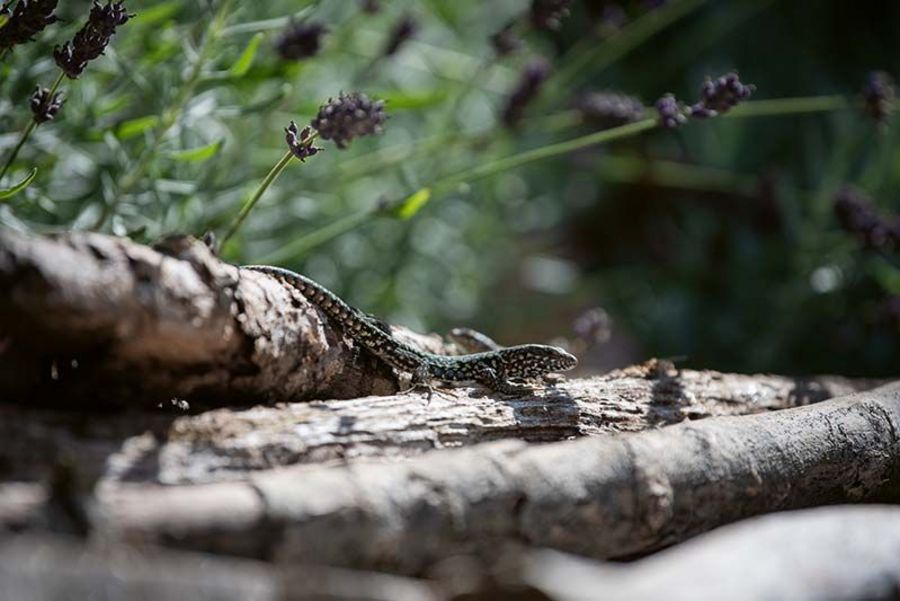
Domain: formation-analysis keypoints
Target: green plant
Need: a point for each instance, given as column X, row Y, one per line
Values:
column 716, row 240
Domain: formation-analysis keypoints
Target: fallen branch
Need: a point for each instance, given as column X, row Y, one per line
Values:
column 61, row 569
column 834, row 553
column 103, row 321
column 602, row 497
column 55, row 568
column 169, row 447
column 837, row 553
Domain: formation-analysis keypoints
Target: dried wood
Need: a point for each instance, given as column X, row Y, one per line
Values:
column 608, row 496
column 825, row 554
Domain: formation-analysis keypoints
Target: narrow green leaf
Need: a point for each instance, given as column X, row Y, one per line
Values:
column 156, row 14
column 243, row 63
column 135, row 127
column 413, row 203
column 266, row 103
column 413, row 100
column 8, row 192
column 3, row 20
column 267, row 24
column 112, row 103
column 197, row 155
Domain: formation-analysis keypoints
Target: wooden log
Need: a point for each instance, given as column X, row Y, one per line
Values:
column 40, row 568
column 170, row 446
column 835, row 553
column 104, row 321
column 601, row 497
column 54, row 568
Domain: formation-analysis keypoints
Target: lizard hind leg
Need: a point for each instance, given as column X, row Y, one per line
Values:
column 490, row 378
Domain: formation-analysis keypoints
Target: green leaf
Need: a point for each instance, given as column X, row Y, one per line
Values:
column 105, row 105
column 3, row 20
column 243, row 63
column 135, row 127
column 267, row 24
column 156, row 14
column 413, row 100
column 266, row 103
column 8, row 192
column 197, row 155
column 413, row 203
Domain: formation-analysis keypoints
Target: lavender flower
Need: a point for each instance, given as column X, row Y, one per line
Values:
column 609, row 109
column 27, row 19
column 855, row 213
column 402, row 31
column 527, row 88
column 879, row 96
column 506, row 41
column 300, row 40
column 299, row 142
column 44, row 106
column 349, row 116
column 548, row 14
column 92, row 39
column 593, row 327
column 671, row 112
column 720, row 95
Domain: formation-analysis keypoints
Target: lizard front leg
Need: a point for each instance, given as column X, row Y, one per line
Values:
column 421, row 379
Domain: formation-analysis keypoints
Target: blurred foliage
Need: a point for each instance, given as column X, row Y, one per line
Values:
column 717, row 242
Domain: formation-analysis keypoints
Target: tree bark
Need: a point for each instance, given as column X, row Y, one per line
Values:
column 607, row 496
column 835, row 553
column 168, row 446
column 41, row 568
column 831, row 553
column 105, row 322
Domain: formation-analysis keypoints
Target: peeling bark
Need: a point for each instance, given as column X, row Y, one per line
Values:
column 170, row 447
column 834, row 553
column 608, row 496
column 106, row 322
column 60, row 569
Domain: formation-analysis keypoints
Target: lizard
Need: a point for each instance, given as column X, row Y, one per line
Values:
column 491, row 368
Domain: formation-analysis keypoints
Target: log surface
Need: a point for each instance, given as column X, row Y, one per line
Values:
column 838, row 553
column 606, row 496
column 830, row 553
column 169, row 446
column 106, row 322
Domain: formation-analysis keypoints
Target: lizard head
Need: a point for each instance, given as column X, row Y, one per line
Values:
column 535, row 360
